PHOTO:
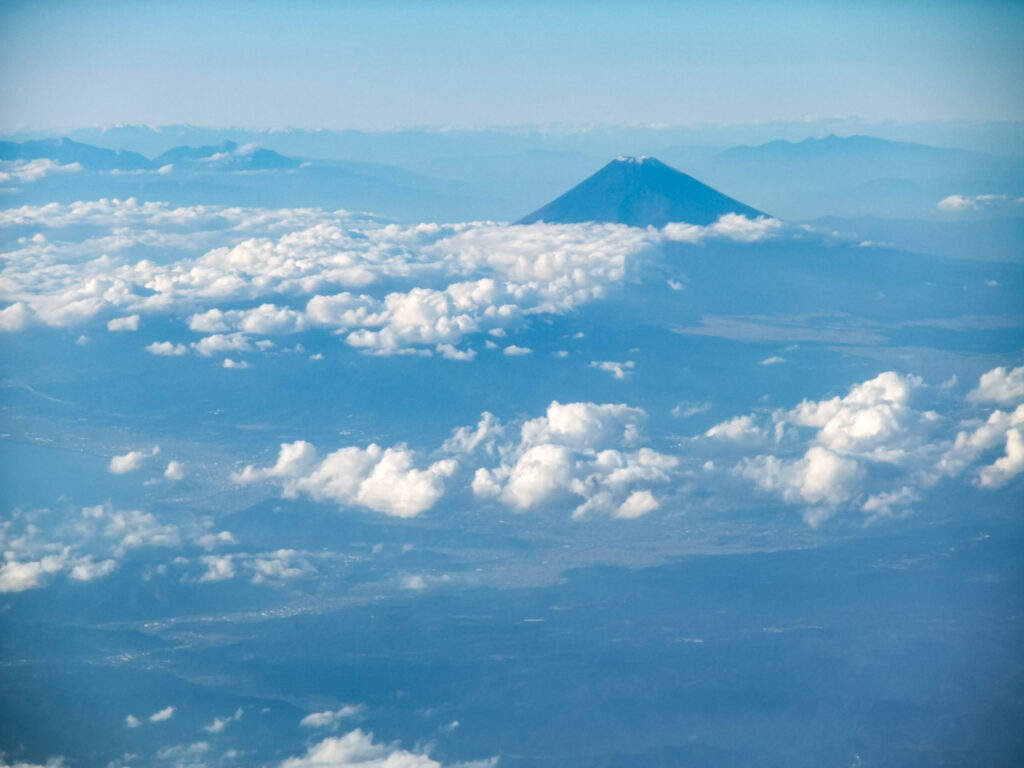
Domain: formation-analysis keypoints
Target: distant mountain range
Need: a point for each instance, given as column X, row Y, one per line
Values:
column 229, row 156
column 412, row 145
column 466, row 175
column 233, row 174
column 640, row 192
column 853, row 175
column 65, row 151
column 225, row 156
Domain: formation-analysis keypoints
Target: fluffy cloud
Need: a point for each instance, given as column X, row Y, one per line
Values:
column 87, row 570
column 27, row 171
column 386, row 289
column 874, row 420
column 279, row 566
column 637, row 504
column 820, row 476
column 184, row 754
column 584, row 426
column 164, row 714
column 515, row 351
column 1011, row 463
column 218, row 568
column 820, row 450
column 588, row 454
column 53, row 762
column 88, row 544
column 133, row 528
column 167, row 349
column 129, row 323
column 219, row 724
column 175, row 471
column 584, row 453
column 15, row 317
column 222, row 343
column 332, row 717
column 131, row 461
column 887, row 503
column 357, row 749
column 739, row 429
column 731, row 226
column 874, row 448
column 961, row 203
column 18, row 576
column 264, row 319
column 1000, row 385
column 1002, row 429
column 381, row 479
column 488, row 276
column 617, row 370
column 428, row 317
column 420, row 288
column 210, row 541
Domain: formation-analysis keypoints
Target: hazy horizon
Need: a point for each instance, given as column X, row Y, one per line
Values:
column 380, row 65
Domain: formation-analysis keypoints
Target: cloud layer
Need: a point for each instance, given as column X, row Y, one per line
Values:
column 873, row 448
column 876, row 450
column 89, row 543
column 243, row 273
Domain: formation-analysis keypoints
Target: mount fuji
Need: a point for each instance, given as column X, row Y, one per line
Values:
column 640, row 192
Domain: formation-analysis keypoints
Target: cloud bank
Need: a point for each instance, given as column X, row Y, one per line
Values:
column 876, row 450
column 384, row 288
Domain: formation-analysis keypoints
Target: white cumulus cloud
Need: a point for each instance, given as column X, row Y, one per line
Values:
column 167, row 349
column 961, row 203
column 131, row 461
column 220, row 724
column 330, row 718
column 357, row 749
column 1000, row 385
column 382, row 479
column 175, row 470
column 129, row 323
column 617, row 370
column 585, row 454
column 164, row 714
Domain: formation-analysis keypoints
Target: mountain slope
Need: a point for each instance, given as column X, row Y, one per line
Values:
column 640, row 192
column 854, row 176
column 854, row 159
column 66, row 151
column 229, row 156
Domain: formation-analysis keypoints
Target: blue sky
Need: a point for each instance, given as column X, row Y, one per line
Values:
column 399, row 64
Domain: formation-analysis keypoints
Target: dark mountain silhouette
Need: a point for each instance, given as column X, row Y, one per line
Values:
column 640, row 192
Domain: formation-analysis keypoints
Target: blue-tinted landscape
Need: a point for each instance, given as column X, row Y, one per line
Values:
column 446, row 435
